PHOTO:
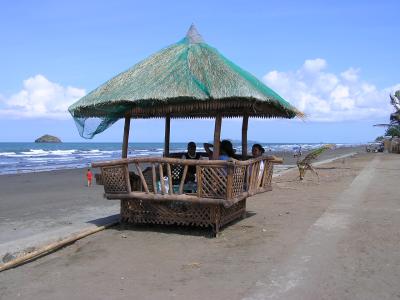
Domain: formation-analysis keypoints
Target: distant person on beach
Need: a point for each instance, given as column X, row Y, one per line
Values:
column 226, row 150
column 257, row 150
column 297, row 151
column 89, row 177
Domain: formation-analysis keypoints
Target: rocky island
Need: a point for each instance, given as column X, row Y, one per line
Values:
column 48, row 139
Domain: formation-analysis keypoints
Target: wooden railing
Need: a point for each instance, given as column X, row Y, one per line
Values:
column 208, row 181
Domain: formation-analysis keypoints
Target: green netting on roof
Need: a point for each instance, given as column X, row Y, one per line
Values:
column 183, row 73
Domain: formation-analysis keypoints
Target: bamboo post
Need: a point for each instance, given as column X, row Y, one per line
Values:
column 154, row 177
column 166, row 136
column 199, row 181
column 265, row 173
column 253, row 175
column 257, row 174
column 126, row 137
column 248, row 170
column 171, row 187
column 217, row 136
column 146, row 189
column 160, row 167
column 182, row 183
column 127, row 178
column 229, row 183
column 245, row 125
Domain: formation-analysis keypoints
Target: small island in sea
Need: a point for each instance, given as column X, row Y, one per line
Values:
column 48, row 139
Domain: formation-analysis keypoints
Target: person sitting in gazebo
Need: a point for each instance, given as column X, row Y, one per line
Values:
column 191, row 151
column 226, row 150
column 257, row 150
column 191, row 154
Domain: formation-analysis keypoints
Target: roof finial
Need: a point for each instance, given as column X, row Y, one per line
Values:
column 193, row 35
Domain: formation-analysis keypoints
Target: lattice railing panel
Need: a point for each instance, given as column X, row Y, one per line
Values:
column 213, row 182
column 177, row 212
column 238, row 180
column 176, row 172
column 268, row 174
column 114, row 179
column 161, row 176
column 136, row 211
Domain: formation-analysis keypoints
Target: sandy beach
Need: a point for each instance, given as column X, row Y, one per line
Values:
column 38, row 208
column 336, row 239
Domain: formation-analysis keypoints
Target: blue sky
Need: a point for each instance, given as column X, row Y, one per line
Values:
column 336, row 60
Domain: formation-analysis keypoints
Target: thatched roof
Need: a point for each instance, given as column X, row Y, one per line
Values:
column 189, row 79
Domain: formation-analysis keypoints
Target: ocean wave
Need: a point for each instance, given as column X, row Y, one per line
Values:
column 7, row 153
column 291, row 147
column 49, row 159
column 34, row 152
column 63, row 152
column 24, row 158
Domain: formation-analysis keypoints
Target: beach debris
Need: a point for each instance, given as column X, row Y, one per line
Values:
column 246, row 226
column 124, row 236
column 8, row 257
column 305, row 164
column 29, row 250
column 192, row 265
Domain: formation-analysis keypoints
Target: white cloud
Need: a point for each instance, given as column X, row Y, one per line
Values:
column 314, row 65
column 325, row 96
column 350, row 74
column 40, row 97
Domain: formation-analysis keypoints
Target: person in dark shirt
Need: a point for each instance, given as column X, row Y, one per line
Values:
column 191, row 154
column 191, row 151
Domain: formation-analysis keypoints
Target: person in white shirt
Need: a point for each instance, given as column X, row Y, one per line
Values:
column 257, row 150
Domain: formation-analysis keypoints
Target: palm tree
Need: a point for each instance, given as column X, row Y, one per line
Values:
column 394, row 124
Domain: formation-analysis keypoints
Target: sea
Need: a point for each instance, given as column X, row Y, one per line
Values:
column 37, row 157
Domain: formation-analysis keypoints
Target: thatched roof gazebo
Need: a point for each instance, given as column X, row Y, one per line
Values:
column 189, row 79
